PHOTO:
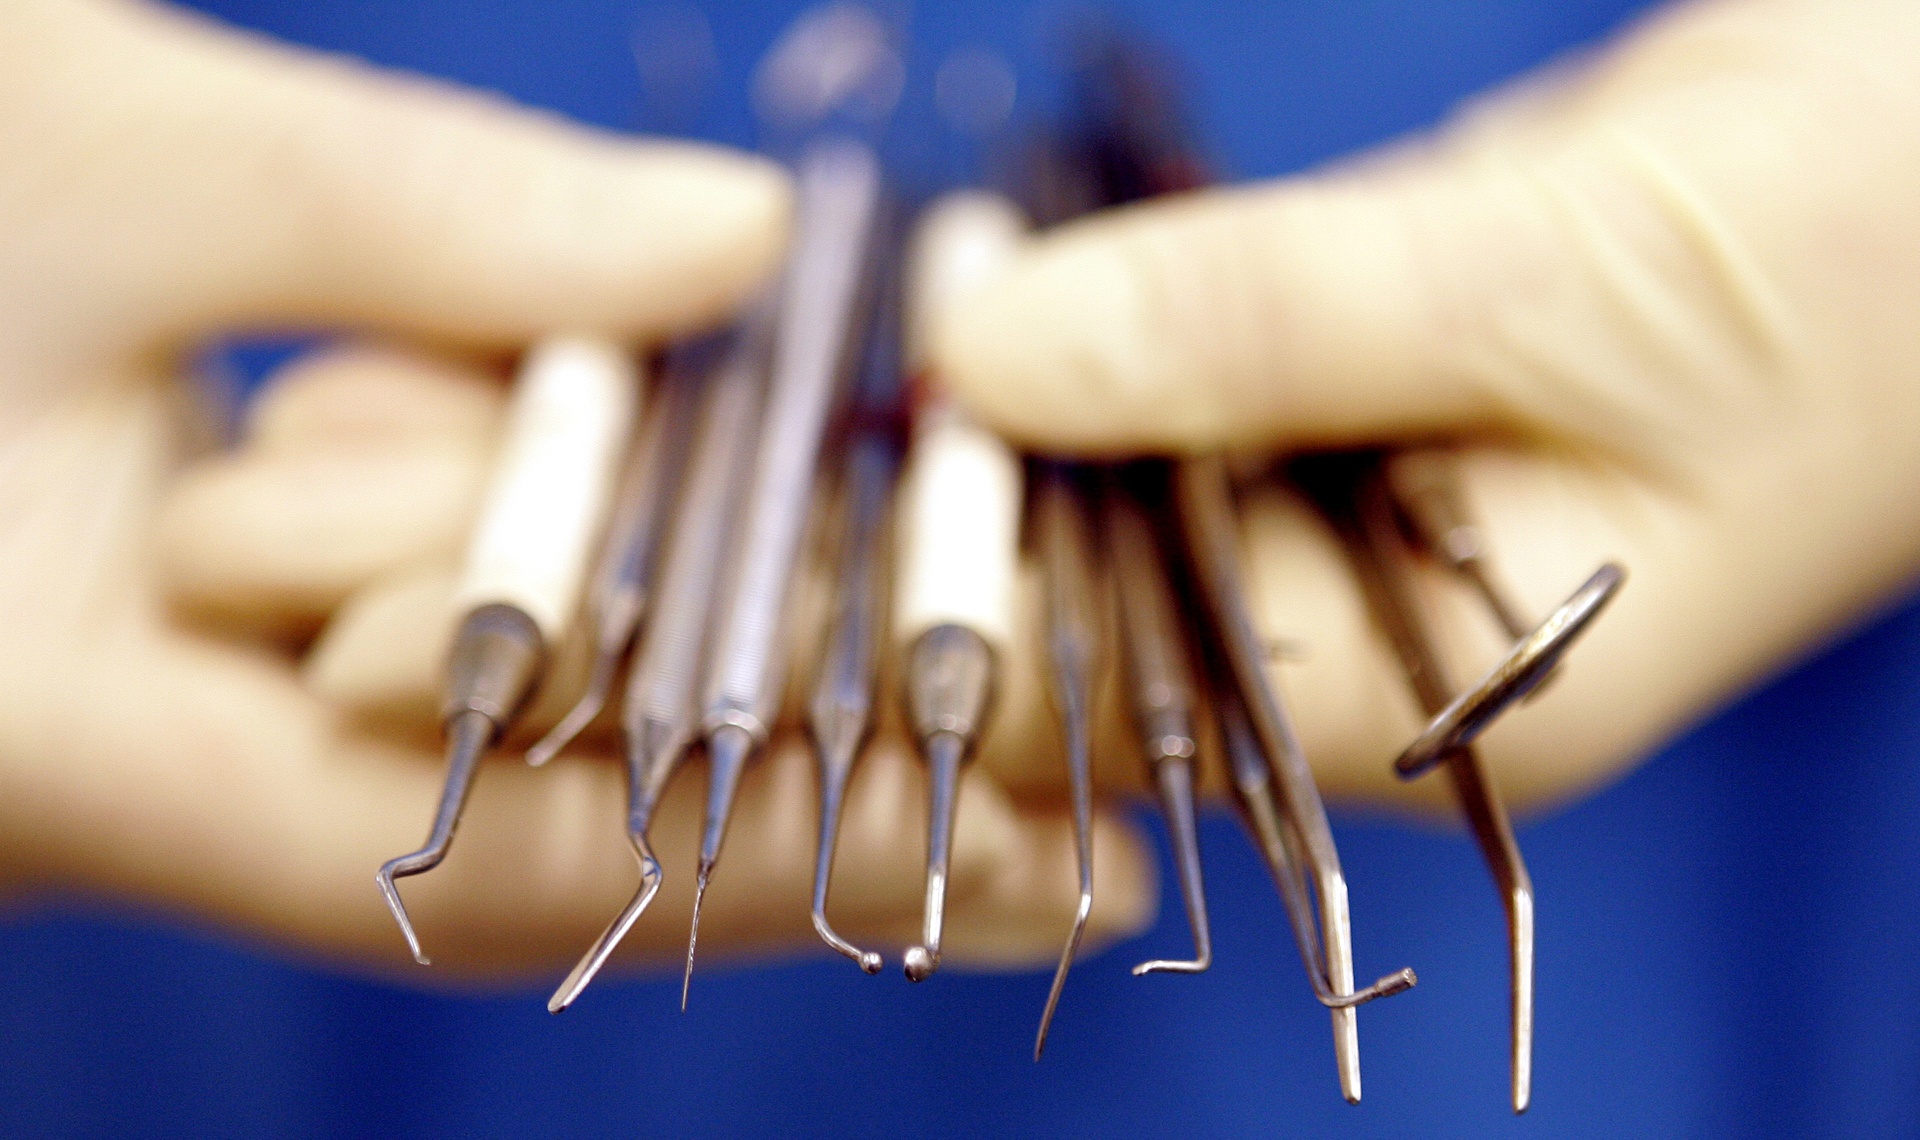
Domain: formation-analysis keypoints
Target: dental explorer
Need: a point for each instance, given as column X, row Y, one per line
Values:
column 847, row 679
column 1063, row 535
column 571, row 413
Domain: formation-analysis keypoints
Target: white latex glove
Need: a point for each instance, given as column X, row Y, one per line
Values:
column 1664, row 295
column 166, row 179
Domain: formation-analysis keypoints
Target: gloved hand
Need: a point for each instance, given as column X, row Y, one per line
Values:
column 167, row 179
column 1663, row 295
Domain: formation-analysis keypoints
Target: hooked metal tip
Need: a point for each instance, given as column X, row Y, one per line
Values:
column 869, row 961
column 468, row 735
column 1060, row 972
column 1517, row 674
column 1398, row 982
column 832, row 793
column 599, row 687
column 693, row 935
column 1173, row 966
column 1173, row 777
column 405, row 865
column 602, row 949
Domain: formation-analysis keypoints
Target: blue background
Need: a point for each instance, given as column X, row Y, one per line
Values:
column 1725, row 935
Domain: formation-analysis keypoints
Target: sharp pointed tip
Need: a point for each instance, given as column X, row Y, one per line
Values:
column 693, row 933
column 391, row 893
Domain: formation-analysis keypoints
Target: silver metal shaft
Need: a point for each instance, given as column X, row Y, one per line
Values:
column 847, row 679
column 1063, row 532
column 841, row 714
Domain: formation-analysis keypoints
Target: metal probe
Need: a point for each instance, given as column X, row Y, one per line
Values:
column 1063, row 533
column 624, row 580
column 1351, row 491
column 661, row 714
column 571, row 413
column 1160, row 684
column 1212, row 539
column 840, row 716
column 960, row 544
column 839, row 195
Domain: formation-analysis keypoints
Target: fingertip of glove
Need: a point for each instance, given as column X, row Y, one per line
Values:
column 1064, row 353
column 696, row 228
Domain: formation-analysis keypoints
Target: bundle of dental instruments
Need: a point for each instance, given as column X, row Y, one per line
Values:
column 702, row 497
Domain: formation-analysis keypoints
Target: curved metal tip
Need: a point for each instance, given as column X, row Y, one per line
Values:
column 921, row 963
column 869, row 961
column 1398, row 982
column 1173, row 776
column 693, row 935
column 391, row 870
column 832, row 793
column 1060, row 972
column 468, row 735
column 1173, row 966
column 602, row 949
